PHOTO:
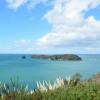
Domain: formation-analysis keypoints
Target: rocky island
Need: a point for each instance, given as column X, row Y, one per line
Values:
column 58, row 57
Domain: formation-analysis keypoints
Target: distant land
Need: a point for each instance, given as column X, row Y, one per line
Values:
column 58, row 57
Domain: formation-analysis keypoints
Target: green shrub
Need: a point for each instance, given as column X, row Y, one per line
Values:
column 81, row 91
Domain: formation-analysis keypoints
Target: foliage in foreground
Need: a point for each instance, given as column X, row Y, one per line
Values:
column 76, row 90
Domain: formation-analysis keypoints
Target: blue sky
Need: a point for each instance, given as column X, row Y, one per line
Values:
column 46, row 26
column 22, row 23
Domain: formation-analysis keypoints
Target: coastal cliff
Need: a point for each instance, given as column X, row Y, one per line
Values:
column 58, row 57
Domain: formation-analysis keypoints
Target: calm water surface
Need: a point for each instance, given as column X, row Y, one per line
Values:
column 29, row 70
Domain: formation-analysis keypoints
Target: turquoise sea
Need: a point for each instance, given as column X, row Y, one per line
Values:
column 29, row 70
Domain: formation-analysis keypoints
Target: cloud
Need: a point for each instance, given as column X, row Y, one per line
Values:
column 33, row 3
column 24, row 45
column 69, row 26
column 15, row 4
column 70, row 29
column 23, row 42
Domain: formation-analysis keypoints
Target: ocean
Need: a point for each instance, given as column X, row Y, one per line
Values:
column 29, row 70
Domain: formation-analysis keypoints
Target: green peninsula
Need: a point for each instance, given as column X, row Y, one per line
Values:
column 58, row 57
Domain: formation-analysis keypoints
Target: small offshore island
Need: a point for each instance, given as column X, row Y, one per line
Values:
column 58, row 57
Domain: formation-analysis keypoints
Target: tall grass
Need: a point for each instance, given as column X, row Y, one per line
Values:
column 64, row 89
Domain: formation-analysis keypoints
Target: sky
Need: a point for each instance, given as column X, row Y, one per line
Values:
column 49, row 26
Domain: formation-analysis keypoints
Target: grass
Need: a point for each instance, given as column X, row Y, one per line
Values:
column 76, row 90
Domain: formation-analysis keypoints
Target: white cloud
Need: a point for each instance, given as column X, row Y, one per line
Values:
column 33, row 3
column 15, row 4
column 24, row 45
column 69, row 27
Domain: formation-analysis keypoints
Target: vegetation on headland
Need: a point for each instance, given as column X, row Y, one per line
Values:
column 71, row 57
column 64, row 89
